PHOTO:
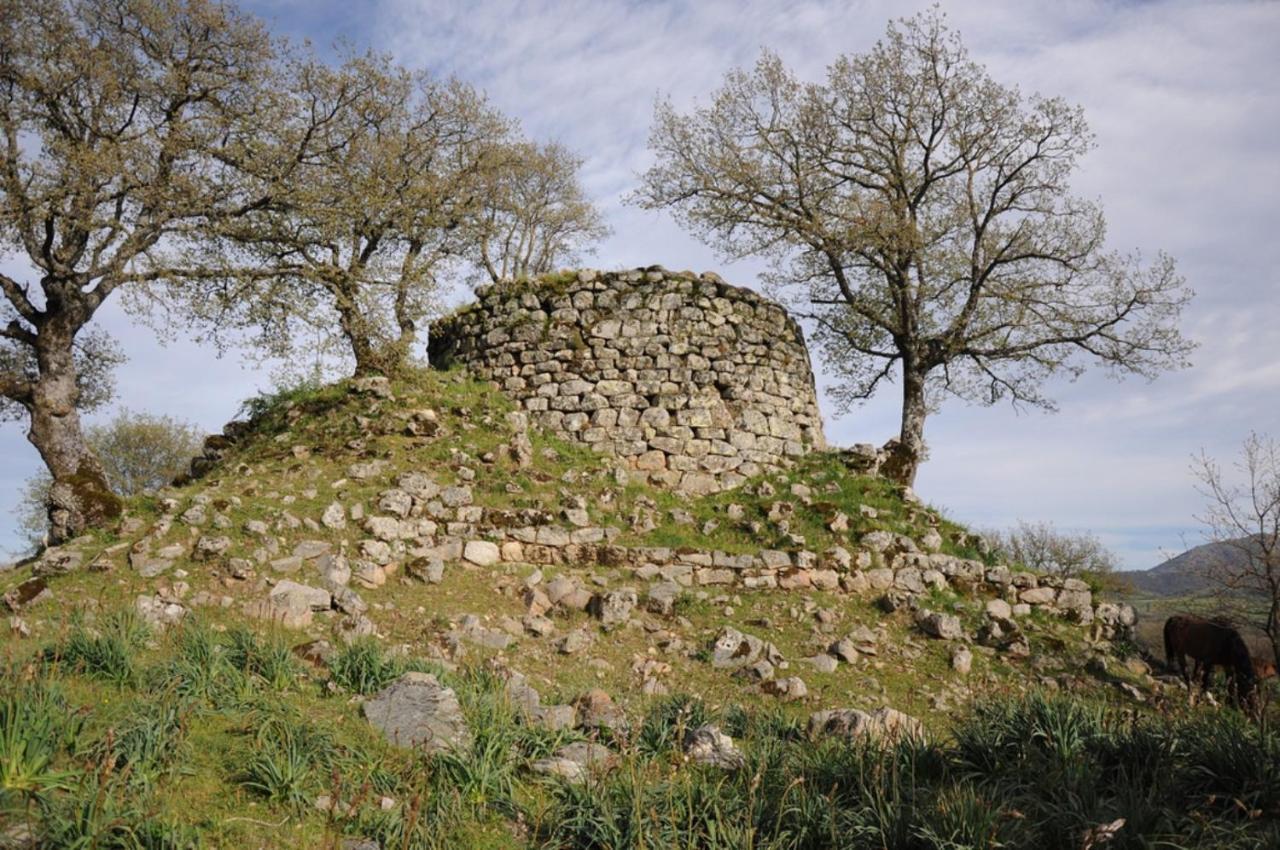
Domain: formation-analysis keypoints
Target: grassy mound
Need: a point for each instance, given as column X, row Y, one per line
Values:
column 223, row 731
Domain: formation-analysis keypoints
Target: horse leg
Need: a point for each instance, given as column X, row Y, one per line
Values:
column 1207, row 676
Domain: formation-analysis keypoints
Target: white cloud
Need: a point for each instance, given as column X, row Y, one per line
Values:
column 1187, row 116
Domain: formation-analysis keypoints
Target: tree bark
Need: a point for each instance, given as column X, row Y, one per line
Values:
column 356, row 330
column 907, row 454
column 79, row 497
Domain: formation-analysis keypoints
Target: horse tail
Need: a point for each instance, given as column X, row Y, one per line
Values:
column 1168, row 641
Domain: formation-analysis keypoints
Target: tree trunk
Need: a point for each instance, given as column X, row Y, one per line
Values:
column 80, row 497
column 356, row 330
column 906, row 455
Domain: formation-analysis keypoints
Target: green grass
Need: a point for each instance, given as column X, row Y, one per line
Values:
column 115, row 735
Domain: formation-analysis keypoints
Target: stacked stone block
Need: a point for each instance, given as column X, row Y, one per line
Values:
column 693, row 383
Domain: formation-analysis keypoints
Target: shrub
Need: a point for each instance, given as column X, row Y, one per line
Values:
column 36, row 726
column 667, row 722
column 287, row 753
column 147, row 745
column 109, row 654
column 269, row 659
column 362, row 667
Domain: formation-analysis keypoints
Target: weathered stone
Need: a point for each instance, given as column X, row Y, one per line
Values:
column 30, row 592
column 789, row 689
column 708, row 745
column 885, row 725
column 998, row 609
column 575, row 762
column 940, row 625
column 293, row 595
column 157, row 612
column 417, row 711
column 661, row 598
column 733, row 649
column 574, row 642
column 613, row 608
column 334, row 517
column 822, row 662
column 597, row 710
column 482, row 553
column 208, row 548
column 1037, row 595
column 961, row 660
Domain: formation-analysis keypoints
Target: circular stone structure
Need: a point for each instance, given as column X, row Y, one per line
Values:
column 692, row 382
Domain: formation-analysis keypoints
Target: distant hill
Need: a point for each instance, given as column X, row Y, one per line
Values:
column 1184, row 574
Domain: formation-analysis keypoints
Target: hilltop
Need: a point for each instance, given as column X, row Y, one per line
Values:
column 340, row 537
column 1185, row 573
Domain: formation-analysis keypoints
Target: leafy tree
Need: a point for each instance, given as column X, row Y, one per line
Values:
column 1242, row 515
column 116, row 116
column 372, row 173
column 139, row 452
column 919, row 215
column 534, row 213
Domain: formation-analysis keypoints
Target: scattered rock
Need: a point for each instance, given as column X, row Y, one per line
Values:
column 417, row 711
column 574, row 642
column 482, row 553
column 661, row 598
column 575, row 762
column 157, row 612
column 208, row 548
column 708, row 745
column 613, row 608
column 31, row 592
column 939, row 625
column 733, row 649
column 885, row 725
column 317, row 653
column 334, row 517
column 597, row 710
column 788, row 690
column 822, row 662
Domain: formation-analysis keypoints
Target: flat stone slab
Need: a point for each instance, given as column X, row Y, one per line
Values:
column 417, row 711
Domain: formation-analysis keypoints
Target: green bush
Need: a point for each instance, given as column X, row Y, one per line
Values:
column 36, row 726
column 109, row 654
column 364, row 668
column 270, row 659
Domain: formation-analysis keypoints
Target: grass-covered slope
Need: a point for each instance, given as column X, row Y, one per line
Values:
column 233, row 731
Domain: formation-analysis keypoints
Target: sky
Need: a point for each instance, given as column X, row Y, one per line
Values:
column 1181, row 97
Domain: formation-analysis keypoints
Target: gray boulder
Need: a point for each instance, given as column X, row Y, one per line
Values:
column 613, row 608
column 417, row 711
column 733, row 649
column 939, row 625
column 708, row 745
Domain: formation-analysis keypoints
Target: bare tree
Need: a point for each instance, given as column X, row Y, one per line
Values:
column 372, row 172
column 112, row 112
column 918, row 214
column 534, row 213
column 1242, row 516
column 1044, row 548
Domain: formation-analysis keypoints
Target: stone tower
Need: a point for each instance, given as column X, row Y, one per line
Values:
column 694, row 383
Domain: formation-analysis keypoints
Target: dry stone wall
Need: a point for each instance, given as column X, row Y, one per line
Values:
column 693, row 383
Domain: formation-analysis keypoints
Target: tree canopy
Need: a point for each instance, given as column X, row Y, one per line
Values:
column 919, row 215
column 117, row 117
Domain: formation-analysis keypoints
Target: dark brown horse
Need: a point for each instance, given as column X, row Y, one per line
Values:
column 1209, row 643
